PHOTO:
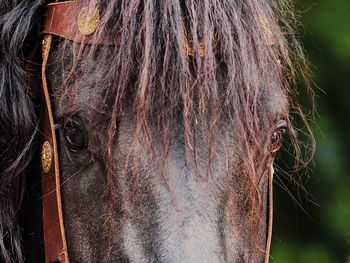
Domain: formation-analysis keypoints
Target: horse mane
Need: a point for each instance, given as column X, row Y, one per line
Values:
column 17, row 119
column 249, row 46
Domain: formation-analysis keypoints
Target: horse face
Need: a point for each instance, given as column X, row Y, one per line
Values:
column 167, row 211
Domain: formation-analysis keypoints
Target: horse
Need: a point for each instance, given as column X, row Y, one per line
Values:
column 143, row 130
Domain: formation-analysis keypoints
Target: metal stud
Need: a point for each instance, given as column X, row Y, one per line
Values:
column 88, row 20
column 46, row 157
column 189, row 50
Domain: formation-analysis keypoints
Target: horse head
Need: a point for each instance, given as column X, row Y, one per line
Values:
column 163, row 119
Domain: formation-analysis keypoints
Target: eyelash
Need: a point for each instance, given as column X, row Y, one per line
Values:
column 276, row 139
column 74, row 135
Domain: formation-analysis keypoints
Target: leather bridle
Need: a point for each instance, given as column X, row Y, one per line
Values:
column 269, row 215
column 72, row 21
column 61, row 19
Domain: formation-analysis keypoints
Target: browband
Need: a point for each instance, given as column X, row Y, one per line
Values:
column 72, row 21
column 80, row 24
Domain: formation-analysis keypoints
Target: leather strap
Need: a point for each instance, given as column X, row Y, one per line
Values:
column 71, row 21
column 68, row 19
column 270, row 215
column 54, row 234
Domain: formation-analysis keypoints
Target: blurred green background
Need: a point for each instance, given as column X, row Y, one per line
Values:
column 314, row 225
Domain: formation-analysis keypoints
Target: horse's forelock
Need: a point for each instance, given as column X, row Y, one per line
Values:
column 249, row 49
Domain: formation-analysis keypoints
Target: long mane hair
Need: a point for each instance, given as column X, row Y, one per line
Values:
column 249, row 46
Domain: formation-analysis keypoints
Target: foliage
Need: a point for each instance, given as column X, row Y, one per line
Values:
column 321, row 233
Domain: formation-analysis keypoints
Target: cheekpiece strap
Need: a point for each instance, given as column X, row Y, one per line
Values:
column 53, row 226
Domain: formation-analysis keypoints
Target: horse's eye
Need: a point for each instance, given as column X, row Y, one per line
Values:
column 277, row 139
column 74, row 136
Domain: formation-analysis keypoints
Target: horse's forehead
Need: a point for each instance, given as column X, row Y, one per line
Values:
column 91, row 90
column 280, row 105
column 91, row 93
column 276, row 101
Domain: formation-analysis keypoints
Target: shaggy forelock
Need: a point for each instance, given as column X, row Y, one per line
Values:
column 246, row 59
